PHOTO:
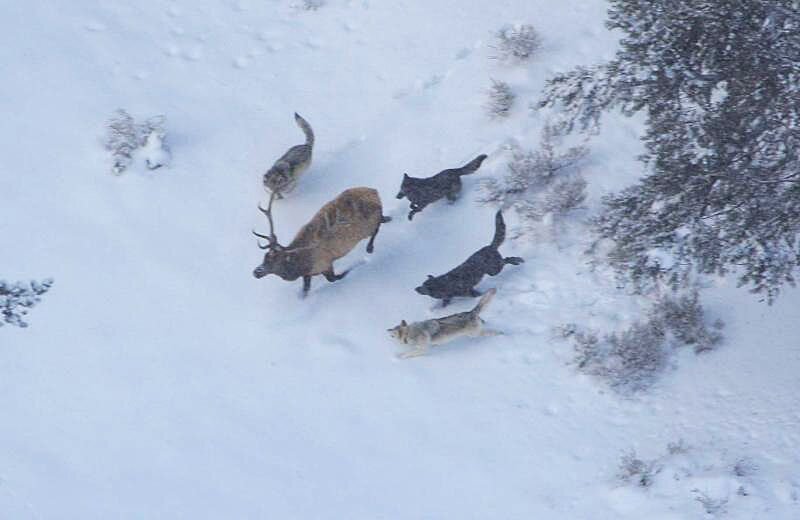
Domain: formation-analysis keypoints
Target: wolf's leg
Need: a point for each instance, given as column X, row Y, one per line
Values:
column 419, row 351
column 513, row 260
column 453, row 191
column 415, row 208
column 490, row 332
column 474, row 293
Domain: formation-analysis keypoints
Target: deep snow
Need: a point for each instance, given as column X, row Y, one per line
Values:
column 158, row 379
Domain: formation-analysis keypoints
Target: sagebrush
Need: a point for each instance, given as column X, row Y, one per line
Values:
column 635, row 470
column 312, row 5
column 684, row 474
column 16, row 299
column 124, row 137
column 632, row 359
column 541, row 183
column 516, row 43
column 501, row 99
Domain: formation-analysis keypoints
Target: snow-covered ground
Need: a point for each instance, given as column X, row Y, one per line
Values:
column 159, row 379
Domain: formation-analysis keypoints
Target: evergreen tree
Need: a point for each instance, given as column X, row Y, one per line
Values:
column 719, row 82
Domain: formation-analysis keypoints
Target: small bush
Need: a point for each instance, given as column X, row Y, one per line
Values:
column 501, row 99
column 632, row 359
column 712, row 506
column 687, row 474
column 678, row 448
column 154, row 149
column 17, row 298
column 685, row 318
column 124, row 137
column 516, row 43
column 541, row 183
column 745, row 467
column 637, row 471
column 122, row 140
column 312, row 5
column 628, row 360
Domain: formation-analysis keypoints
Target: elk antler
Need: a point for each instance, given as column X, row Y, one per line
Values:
column 272, row 240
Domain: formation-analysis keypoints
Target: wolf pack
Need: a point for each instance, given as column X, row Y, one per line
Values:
column 356, row 214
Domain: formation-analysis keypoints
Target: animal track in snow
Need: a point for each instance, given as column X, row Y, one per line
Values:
column 242, row 62
column 95, row 27
column 190, row 53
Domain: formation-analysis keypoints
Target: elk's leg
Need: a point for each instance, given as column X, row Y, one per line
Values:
column 371, row 243
column 333, row 277
column 306, row 285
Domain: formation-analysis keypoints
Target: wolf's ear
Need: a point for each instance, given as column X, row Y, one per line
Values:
column 405, row 176
column 430, row 277
column 403, row 323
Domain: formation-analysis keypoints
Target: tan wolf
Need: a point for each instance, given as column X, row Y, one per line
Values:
column 422, row 334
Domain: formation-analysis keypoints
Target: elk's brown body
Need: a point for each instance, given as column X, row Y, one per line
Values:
column 338, row 226
column 333, row 232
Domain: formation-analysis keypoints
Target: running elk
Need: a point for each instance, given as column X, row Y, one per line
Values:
column 334, row 231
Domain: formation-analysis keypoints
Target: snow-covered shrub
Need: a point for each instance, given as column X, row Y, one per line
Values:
column 17, row 298
column 712, row 506
column 719, row 88
column 678, row 448
column 565, row 195
column 124, row 137
column 634, row 470
column 516, row 43
column 631, row 360
column 634, row 357
column 695, row 482
column 684, row 317
column 541, row 183
column 744, row 467
column 154, row 149
column 312, row 5
column 501, row 99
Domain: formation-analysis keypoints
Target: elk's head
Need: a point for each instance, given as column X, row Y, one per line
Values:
column 278, row 260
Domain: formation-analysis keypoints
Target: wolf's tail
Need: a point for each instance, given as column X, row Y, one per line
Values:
column 472, row 166
column 499, row 230
column 306, row 128
column 486, row 299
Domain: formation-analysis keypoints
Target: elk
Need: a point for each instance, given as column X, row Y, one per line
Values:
column 333, row 232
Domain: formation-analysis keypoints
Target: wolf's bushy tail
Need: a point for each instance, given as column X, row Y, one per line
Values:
column 486, row 299
column 306, row 128
column 499, row 230
column 472, row 166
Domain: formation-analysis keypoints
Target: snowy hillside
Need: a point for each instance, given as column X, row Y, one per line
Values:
column 159, row 379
